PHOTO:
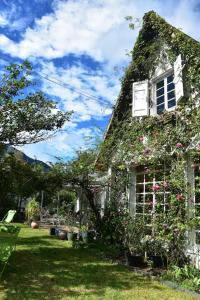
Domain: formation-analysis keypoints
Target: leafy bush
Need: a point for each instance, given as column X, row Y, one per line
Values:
column 32, row 210
column 187, row 276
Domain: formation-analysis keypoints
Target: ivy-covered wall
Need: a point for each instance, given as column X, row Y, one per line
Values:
column 170, row 128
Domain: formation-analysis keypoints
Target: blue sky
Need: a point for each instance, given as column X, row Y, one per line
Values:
column 82, row 46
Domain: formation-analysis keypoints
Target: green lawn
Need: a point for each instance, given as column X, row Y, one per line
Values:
column 46, row 268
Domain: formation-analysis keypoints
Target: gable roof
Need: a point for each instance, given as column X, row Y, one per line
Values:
column 154, row 34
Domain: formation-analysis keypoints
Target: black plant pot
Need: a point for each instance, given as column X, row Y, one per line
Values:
column 91, row 236
column 135, row 260
column 158, row 261
column 52, row 231
column 75, row 236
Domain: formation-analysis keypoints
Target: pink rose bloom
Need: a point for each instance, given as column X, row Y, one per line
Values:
column 146, row 170
column 179, row 197
column 165, row 184
column 155, row 188
column 179, row 145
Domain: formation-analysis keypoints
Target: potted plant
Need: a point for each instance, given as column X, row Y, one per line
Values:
column 84, row 232
column 135, row 256
column 32, row 210
column 156, row 251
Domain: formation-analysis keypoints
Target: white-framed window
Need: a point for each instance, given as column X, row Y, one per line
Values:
column 165, row 93
column 165, row 86
column 149, row 202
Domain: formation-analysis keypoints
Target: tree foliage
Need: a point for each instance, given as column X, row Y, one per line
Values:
column 25, row 117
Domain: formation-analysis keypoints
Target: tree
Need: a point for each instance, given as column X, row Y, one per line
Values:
column 25, row 117
column 80, row 174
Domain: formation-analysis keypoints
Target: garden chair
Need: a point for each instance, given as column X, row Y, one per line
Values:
column 8, row 239
column 9, row 216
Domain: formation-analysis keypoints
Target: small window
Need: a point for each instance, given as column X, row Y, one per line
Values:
column 165, row 94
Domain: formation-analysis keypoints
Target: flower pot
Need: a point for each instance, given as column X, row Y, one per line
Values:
column 52, row 231
column 84, row 236
column 34, row 225
column 91, row 236
column 62, row 235
column 158, row 261
column 75, row 236
column 134, row 260
column 70, row 236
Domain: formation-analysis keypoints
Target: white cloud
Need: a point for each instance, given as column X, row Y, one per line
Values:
column 186, row 18
column 86, row 83
column 96, row 28
column 63, row 145
column 3, row 20
column 76, row 27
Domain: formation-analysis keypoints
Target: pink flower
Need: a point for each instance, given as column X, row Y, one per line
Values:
column 155, row 188
column 146, row 170
column 141, row 139
column 179, row 197
column 147, row 151
column 197, row 147
column 179, row 145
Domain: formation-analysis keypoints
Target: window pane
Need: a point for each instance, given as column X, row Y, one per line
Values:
column 160, row 92
column 171, row 103
column 198, row 237
column 160, row 100
column 170, row 78
column 197, row 197
column 170, row 87
column 160, row 108
column 147, row 209
column 139, row 188
column 160, row 84
column 139, row 198
column 149, row 199
column 197, row 211
column 148, row 188
column 170, row 95
column 139, row 209
column 140, row 178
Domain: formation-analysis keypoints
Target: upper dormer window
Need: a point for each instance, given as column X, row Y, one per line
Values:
column 162, row 92
column 165, row 94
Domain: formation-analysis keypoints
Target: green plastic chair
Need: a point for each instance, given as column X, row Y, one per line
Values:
column 9, row 216
column 8, row 239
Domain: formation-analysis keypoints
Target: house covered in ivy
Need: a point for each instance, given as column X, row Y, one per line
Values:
column 151, row 149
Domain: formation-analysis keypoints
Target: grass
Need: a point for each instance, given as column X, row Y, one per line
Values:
column 46, row 268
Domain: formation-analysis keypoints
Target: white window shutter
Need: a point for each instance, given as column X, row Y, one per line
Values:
column 140, row 99
column 178, row 78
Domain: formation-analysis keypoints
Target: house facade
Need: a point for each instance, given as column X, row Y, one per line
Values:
column 154, row 133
